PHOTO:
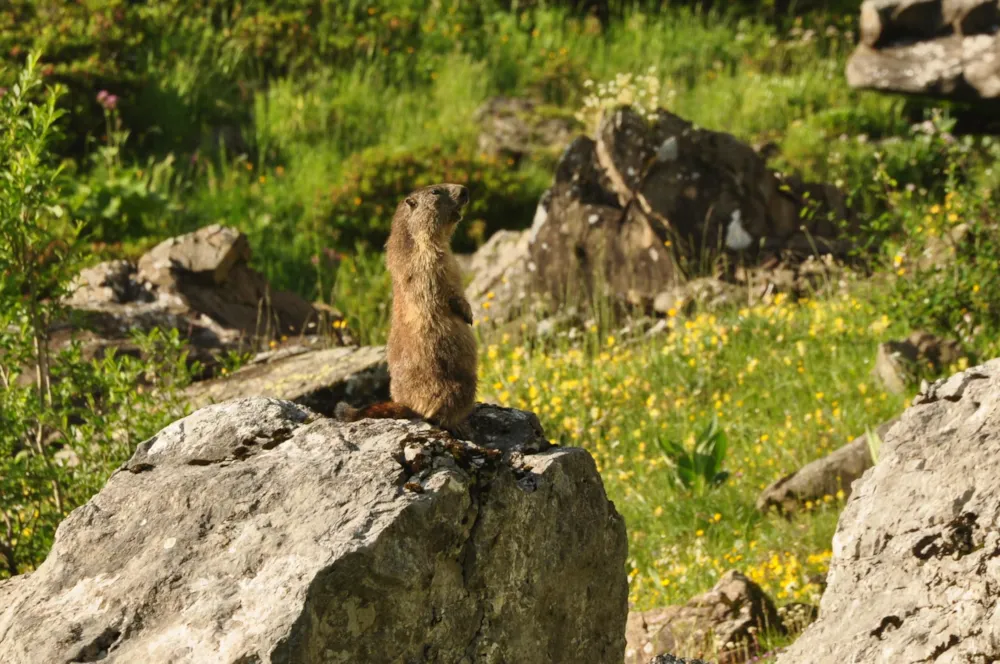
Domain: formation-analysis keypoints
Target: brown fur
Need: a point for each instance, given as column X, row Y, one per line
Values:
column 431, row 350
column 386, row 410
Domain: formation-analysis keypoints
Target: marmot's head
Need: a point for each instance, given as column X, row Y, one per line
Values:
column 432, row 213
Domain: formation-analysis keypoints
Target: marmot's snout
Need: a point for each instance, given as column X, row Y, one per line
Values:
column 460, row 197
column 458, row 194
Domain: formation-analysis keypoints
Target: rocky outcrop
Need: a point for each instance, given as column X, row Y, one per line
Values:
column 823, row 477
column 915, row 573
column 257, row 531
column 901, row 363
column 513, row 127
column 501, row 286
column 647, row 203
column 315, row 378
column 721, row 623
column 943, row 48
column 199, row 284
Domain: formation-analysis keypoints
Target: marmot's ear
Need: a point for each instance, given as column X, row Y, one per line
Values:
column 412, row 202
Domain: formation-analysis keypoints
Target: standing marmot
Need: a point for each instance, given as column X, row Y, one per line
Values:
column 432, row 351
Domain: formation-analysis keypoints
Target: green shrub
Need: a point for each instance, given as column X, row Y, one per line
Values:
column 956, row 293
column 700, row 467
column 65, row 422
column 116, row 201
column 185, row 68
column 376, row 180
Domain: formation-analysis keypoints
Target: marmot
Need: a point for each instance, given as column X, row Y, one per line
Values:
column 431, row 349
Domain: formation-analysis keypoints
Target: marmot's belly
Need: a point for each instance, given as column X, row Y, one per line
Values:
column 433, row 370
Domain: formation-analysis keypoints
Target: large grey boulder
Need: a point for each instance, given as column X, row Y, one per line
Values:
column 652, row 201
column 201, row 285
column 258, row 531
column 915, row 574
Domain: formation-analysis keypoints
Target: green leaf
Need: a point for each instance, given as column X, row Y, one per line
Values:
column 874, row 444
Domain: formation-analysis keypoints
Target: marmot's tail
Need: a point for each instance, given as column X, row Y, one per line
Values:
column 387, row 410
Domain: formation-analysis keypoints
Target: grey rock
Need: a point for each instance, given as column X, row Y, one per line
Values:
column 584, row 244
column 915, row 573
column 730, row 613
column 901, row 363
column 210, row 252
column 889, row 369
column 887, row 21
column 201, row 285
column 634, row 212
column 317, row 379
column 959, row 68
column 943, row 48
column 112, row 281
column 836, row 471
column 512, row 127
column 499, row 289
column 257, row 531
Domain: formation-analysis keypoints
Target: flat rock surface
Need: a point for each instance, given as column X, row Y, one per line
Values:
column 915, row 574
column 258, row 531
column 314, row 378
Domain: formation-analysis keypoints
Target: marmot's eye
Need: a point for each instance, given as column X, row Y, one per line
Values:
column 437, row 192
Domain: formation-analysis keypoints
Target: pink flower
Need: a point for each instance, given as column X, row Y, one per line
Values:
column 107, row 100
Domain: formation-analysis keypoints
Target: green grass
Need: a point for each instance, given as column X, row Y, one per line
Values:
column 304, row 129
column 788, row 382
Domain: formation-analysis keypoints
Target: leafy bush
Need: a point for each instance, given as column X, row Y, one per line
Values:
column 65, row 422
column 185, row 67
column 116, row 201
column 946, row 274
column 376, row 180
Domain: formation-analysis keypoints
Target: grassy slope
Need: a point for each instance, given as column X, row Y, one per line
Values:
column 788, row 381
column 788, row 384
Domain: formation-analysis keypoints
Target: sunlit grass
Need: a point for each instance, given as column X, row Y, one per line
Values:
column 788, row 382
